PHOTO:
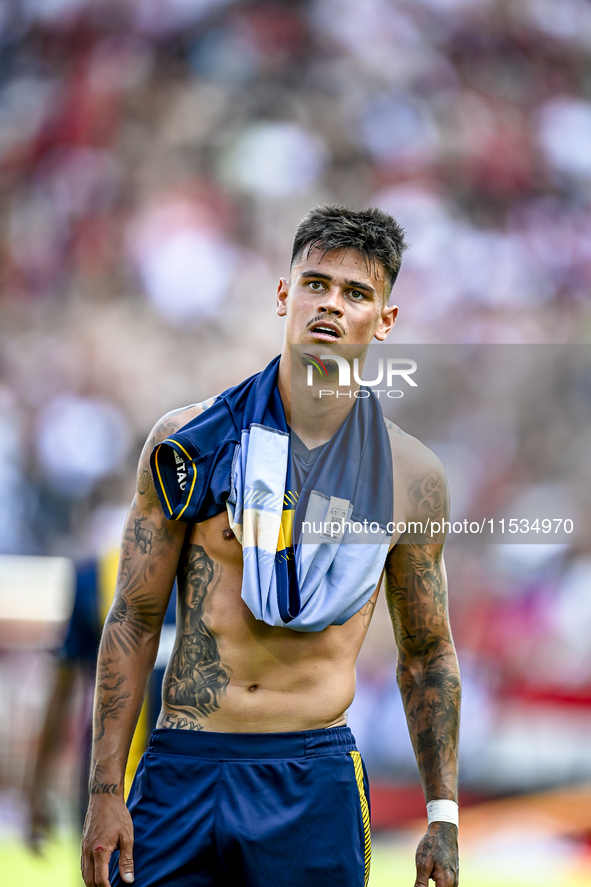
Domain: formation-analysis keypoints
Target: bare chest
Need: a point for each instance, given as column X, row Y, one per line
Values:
column 210, row 583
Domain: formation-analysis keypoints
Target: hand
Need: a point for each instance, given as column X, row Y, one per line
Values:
column 107, row 826
column 437, row 856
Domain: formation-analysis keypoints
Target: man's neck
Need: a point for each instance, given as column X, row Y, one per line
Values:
column 314, row 417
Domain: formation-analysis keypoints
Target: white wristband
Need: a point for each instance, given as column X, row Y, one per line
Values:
column 442, row 811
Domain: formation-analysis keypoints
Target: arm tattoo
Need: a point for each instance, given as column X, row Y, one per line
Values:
column 104, row 788
column 128, row 621
column 144, row 479
column 429, row 500
column 142, row 537
column 428, row 495
column 427, row 667
column 196, row 678
column 167, row 426
column 134, row 611
column 132, row 617
column 135, row 618
column 111, row 695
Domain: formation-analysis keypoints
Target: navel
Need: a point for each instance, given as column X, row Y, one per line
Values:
column 253, row 687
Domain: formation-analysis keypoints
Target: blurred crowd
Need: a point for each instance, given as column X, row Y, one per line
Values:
column 155, row 158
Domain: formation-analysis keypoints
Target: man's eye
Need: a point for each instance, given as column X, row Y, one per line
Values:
column 315, row 285
column 357, row 294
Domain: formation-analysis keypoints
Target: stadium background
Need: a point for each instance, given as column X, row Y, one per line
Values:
column 155, row 157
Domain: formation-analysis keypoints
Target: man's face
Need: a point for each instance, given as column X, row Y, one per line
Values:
column 336, row 297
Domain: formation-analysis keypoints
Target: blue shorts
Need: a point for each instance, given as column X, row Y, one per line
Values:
column 246, row 809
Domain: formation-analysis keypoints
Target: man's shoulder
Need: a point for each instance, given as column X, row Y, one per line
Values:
column 420, row 485
column 411, row 458
column 172, row 421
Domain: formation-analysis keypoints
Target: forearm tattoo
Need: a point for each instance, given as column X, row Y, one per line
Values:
column 133, row 617
column 104, row 788
column 98, row 785
column 427, row 667
column 196, row 678
column 428, row 674
column 111, row 695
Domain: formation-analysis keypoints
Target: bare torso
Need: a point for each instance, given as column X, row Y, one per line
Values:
column 232, row 673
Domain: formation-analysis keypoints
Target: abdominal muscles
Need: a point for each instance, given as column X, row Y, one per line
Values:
column 231, row 673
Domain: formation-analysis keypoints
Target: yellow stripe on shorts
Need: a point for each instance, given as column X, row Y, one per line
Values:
column 364, row 811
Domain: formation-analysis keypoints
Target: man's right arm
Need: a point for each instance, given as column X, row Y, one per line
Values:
column 150, row 551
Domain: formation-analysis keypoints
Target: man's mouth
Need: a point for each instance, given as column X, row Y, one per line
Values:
column 325, row 331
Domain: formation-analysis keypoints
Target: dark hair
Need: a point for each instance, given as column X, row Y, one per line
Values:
column 371, row 232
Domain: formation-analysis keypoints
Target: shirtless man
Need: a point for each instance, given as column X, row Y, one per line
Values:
column 235, row 682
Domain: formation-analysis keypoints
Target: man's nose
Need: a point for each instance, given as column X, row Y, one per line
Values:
column 331, row 302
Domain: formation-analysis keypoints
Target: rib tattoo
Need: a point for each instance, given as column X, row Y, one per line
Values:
column 196, row 678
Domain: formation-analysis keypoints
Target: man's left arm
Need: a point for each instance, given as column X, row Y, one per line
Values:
column 428, row 673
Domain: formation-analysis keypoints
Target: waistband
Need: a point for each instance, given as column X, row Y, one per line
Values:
column 235, row 746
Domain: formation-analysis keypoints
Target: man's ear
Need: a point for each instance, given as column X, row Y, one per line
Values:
column 282, row 294
column 387, row 321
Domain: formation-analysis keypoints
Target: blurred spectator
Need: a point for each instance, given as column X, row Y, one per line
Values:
column 275, row 159
column 79, row 441
column 183, row 259
column 565, row 135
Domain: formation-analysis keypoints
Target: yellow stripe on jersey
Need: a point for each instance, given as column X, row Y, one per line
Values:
column 177, row 444
column 364, row 811
column 290, row 497
column 107, row 579
column 285, row 539
column 190, row 494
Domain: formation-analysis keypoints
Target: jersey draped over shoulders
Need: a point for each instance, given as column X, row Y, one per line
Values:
column 312, row 557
